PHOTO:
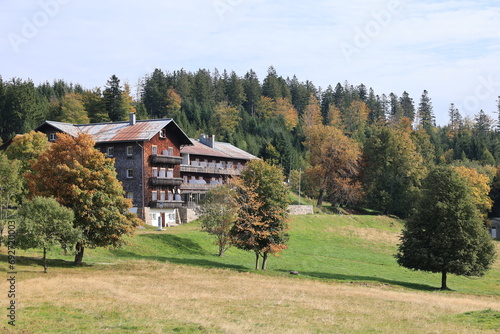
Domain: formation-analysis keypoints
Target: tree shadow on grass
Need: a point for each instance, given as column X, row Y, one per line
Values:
column 37, row 262
column 178, row 260
column 359, row 279
column 181, row 245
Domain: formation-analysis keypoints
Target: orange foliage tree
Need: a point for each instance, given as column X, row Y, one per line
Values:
column 335, row 163
column 79, row 177
column 262, row 222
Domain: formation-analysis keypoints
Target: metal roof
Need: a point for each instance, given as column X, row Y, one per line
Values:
column 220, row 149
column 119, row 131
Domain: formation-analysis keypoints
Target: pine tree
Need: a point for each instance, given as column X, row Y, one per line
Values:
column 112, row 96
column 425, row 112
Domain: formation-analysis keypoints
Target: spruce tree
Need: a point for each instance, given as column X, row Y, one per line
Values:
column 446, row 234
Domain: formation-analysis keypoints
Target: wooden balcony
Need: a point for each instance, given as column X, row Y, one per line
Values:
column 165, row 159
column 165, row 204
column 211, row 170
column 165, row 181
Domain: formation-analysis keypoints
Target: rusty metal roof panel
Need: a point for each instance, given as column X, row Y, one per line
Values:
column 123, row 131
column 220, row 149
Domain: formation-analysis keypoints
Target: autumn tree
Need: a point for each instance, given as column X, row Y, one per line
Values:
column 312, row 114
column 44, row 223
column 218, row 213
column 27, row 147
column 262, row 222
column 81, row 178
column 335, row 163
column 479, row 185
column 446, row 234
column 225, row 118
column 286, row 110
column 73, row 110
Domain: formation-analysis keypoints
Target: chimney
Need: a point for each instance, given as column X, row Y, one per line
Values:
column 208, row 140
column 132, row 118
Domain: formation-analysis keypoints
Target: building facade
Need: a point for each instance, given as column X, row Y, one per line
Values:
column 163, row 171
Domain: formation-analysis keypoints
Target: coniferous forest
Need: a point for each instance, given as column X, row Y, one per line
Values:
column 346, row 143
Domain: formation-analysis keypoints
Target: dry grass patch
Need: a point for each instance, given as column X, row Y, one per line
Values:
column 148, row 297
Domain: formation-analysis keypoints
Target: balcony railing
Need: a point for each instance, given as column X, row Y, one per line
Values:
column 165, row 159
column 166, row 204
column 165, row 181
column 211, row 170
column 196, row 186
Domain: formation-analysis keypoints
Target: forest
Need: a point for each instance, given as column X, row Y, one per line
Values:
column 345, row 143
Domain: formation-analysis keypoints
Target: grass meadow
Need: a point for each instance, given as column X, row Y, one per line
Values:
column 173, row 282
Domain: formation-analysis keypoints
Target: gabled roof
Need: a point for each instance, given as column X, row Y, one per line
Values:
column 121, row 131
column 220, row 149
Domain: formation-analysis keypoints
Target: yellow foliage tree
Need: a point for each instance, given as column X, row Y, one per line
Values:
column 285, row 108
column 480, row 185
column 225, row 118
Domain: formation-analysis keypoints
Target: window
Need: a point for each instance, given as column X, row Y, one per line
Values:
column 52, row 136
column 130, row 173
column 162, row 195
column 154, row 150
column 162, row 172
column 130, row 150
column 155, row 172
column 154, row 195
column 129, row 195
column 170, row 151
column 111, row 151
column 163, row 133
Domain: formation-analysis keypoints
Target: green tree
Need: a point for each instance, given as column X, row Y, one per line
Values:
column 218, row 213
column 263, row 215
column 10, row 187
column 446, row 234
column 44, row 223
column 113, row 100
column 393, row 171
column 425, row 112
column 81, row 178
column 93, row 102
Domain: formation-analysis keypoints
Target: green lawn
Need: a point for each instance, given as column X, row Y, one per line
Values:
column 353, row 249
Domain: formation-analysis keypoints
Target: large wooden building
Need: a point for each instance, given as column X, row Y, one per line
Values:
column 162, row 170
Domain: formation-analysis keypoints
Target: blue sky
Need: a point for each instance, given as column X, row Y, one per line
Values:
column 450, row 48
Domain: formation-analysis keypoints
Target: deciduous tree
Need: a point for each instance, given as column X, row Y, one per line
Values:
column 10, row 187
column 44, row 223
column 218, row 213
column 79, row 177
column 446, row 234
column 263, row 215
column 335, row 163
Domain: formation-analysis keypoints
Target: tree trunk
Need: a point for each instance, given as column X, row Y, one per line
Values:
column 320, row 197
column 443, row 280
column 79, row 253
column 256, row 260
column 44, row 259
column 221, row 249
column 264, row 261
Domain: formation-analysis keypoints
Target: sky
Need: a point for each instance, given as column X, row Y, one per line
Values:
column 449, row 48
